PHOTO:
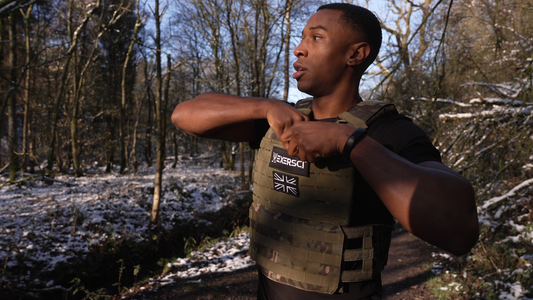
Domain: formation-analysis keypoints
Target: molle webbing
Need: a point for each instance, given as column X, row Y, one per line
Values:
column 309, row 255
column 299, row 252
column 372, row 254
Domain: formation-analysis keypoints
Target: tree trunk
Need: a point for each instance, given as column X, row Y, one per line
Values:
column 12, row 121
column 287, row 44
column 55, row 118
column 175, row 140
column 251, row 166
column 244, row 184
column 224, row 155
column 148, row 135
column 57, row 103
column 154, row 217
column 231, row 165
column 122, row 129
column 74, row 118
column 25, row 123
column 134, row 142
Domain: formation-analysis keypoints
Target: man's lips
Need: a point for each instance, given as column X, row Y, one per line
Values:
column 299, row 70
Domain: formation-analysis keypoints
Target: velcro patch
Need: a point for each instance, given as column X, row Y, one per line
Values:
column 286, row 184
column 281, row 160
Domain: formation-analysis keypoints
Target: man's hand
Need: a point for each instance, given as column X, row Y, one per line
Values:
column 311, row 141
column 281, row 116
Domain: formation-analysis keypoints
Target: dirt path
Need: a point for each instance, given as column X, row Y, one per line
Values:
column 408, row 267
column 405, row 277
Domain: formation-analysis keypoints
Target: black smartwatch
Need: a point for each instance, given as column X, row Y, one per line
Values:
column 354, row 138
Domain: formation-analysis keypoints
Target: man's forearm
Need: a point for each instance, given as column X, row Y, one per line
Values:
column 221, row 116
column 232, row 118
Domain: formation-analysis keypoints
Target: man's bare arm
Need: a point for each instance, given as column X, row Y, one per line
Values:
column 428, row 199
column 228, row 117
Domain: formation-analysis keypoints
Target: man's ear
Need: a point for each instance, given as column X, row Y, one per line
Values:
column 359, row 53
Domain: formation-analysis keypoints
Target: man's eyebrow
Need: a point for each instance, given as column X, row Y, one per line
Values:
column 318, row 27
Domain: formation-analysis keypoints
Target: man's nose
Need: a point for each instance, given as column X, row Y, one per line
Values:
column 300, row 50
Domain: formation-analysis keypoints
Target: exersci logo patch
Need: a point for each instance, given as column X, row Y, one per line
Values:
column 286, row 184
column 281, row 160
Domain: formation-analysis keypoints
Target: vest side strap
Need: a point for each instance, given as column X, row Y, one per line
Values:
column 358, row 232
column 358, row 254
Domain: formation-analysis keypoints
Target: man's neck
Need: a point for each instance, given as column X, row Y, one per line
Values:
column 342, row 97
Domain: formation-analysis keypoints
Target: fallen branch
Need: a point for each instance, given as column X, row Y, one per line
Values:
column 5, row 167
column 497, row 110
column 509, row 194
column 440, row 100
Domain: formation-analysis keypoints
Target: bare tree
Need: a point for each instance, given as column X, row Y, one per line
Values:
column 403, row 68
column 26, row 150
column 141, row 18
column 160, row 112
column 12, row 117
column 287, row 44
column 75, row 35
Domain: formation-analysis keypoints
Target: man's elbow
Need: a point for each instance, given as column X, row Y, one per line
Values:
column 176, row 117
column 180, row 118
column 467, row 238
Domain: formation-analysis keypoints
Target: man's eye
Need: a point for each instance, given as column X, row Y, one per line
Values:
column 317, row 37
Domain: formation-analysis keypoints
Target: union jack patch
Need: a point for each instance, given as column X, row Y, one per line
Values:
column 286, row 184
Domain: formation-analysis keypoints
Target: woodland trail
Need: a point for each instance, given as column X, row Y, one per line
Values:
column 404, row 278
column 409, row 267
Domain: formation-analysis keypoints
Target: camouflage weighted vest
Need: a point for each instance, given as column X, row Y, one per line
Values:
column 301, row 215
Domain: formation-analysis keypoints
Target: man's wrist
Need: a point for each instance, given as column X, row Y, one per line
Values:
column 352, row 141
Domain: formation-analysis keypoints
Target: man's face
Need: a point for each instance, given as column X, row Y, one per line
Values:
column 322, row 53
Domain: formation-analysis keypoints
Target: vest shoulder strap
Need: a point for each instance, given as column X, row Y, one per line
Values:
column 363, row 114
column 371, row 110
column 304, row 103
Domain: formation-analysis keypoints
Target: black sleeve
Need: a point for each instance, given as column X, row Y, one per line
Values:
column 399, row 134
column 261, row 128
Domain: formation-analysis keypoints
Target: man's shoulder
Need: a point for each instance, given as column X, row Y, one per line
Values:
column 401, row 135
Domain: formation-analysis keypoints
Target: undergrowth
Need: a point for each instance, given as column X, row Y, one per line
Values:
column 114, row 266
column 493, row 152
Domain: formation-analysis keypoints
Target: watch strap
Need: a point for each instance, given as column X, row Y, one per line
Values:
column 353, row 139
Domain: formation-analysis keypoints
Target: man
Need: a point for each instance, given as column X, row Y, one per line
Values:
column 398, row 172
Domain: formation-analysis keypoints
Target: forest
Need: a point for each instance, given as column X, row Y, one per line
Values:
column 95, row 179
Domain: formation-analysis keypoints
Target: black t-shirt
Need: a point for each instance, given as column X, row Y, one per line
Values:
column 398, row 134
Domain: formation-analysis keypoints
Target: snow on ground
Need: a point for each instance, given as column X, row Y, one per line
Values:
column 223, row 257
column 45, row 225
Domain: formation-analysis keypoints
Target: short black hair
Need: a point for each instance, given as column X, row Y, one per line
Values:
column 361, row 20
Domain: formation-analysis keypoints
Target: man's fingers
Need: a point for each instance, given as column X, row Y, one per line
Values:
column 286, row 135
column 282, row 120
